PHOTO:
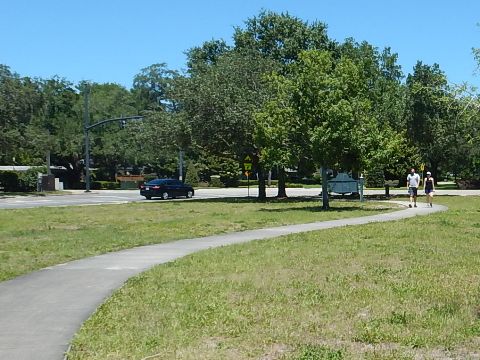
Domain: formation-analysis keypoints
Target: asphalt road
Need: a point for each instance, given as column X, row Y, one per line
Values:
column 97, row 197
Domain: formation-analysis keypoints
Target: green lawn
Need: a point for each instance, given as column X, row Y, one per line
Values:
column 400, row 290
column 31, row 239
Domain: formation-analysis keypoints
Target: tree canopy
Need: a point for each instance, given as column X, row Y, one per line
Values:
column 282, row 90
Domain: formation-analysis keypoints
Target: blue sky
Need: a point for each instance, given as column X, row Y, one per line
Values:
column 112, row 40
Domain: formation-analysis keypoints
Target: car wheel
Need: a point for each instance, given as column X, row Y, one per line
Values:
column 189, row 194
column 165, row 195
column 148, row 197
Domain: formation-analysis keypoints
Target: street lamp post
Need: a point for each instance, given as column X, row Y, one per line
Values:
column 86, row 93
column 88, row 127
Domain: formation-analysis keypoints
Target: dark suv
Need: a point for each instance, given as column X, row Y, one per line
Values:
column 166, row 188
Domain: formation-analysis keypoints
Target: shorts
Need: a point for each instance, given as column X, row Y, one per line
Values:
column 412, row 191
column 428, row 191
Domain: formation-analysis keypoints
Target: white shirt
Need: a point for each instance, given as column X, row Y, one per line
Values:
column 413, row 180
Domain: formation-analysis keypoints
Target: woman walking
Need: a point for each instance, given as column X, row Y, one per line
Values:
column 429, row 187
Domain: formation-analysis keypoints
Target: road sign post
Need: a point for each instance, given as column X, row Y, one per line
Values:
column 248, row 170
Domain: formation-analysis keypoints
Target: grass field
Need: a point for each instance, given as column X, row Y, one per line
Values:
column 31, row 239
column 401, row 290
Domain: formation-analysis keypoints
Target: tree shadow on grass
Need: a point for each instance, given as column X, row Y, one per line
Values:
column 294, row 200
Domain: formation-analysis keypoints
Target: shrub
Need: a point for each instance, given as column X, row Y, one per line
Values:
column 12, row 181
column 468, row 184
column 106, row 185
column 248, row 182
column 215, row 181
column 192, row 177
column 149, row 177
column 255, row 182
column 28, row 180
column 290, row 185
column 374, row 178
column 9, row 181
column 229, row 173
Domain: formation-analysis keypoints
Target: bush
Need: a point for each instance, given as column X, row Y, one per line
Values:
column 105, row 185
column 9, row 181
column 248, row 182
column 228, row 170
column 229, row 173
column 255, row 182
column 468, row 184
column 192, row 177
column 375, row 178
column 290, row 185
column 149, row 177
column 28, row 180
column 24, row 181
column 215, row 181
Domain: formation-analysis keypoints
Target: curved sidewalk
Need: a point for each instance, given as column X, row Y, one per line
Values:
column 40, row 312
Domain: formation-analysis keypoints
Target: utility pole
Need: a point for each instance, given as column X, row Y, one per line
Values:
column 86, row 95
column 180, row 165
column 325, row 204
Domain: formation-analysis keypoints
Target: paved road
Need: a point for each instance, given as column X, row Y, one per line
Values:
column 40, row 312
column 124, row 196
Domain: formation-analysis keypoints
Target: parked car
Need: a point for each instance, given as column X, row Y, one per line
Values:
column 166, row 188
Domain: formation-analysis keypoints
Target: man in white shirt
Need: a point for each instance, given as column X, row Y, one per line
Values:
column 413, row 182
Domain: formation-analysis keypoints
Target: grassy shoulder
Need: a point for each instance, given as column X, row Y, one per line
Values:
column 401, row 290
column 31, row 239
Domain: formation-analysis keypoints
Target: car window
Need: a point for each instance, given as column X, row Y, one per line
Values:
column 156, row 182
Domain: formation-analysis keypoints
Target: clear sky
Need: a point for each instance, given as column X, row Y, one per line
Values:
column 112, row 40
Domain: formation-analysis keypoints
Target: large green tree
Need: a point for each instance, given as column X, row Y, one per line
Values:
column 281, row 37
column 430, row 118
column 111, row 144
column 322, row 108
column 219, row 99
column 20, row 102
column 57, row 130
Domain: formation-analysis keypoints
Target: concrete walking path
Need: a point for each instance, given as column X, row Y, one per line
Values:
column 41, row 311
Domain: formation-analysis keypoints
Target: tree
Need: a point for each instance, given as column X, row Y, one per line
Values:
column 429, row 121
column 281, row 37
column 200, row 58
column 276, row 129
column 20, row 101
column 323, row 109
column 152, row 88
column 384, row 89
column 463, row 154
column 219, row 99
column 112, row 145
column 58, row 127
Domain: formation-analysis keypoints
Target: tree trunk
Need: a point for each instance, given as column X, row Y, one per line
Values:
column 325, row 204
column 262, row 192
column 434, row 170
column 282, row 193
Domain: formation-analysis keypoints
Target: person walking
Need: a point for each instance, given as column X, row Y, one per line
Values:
column 429, row 187
column 413, row 182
